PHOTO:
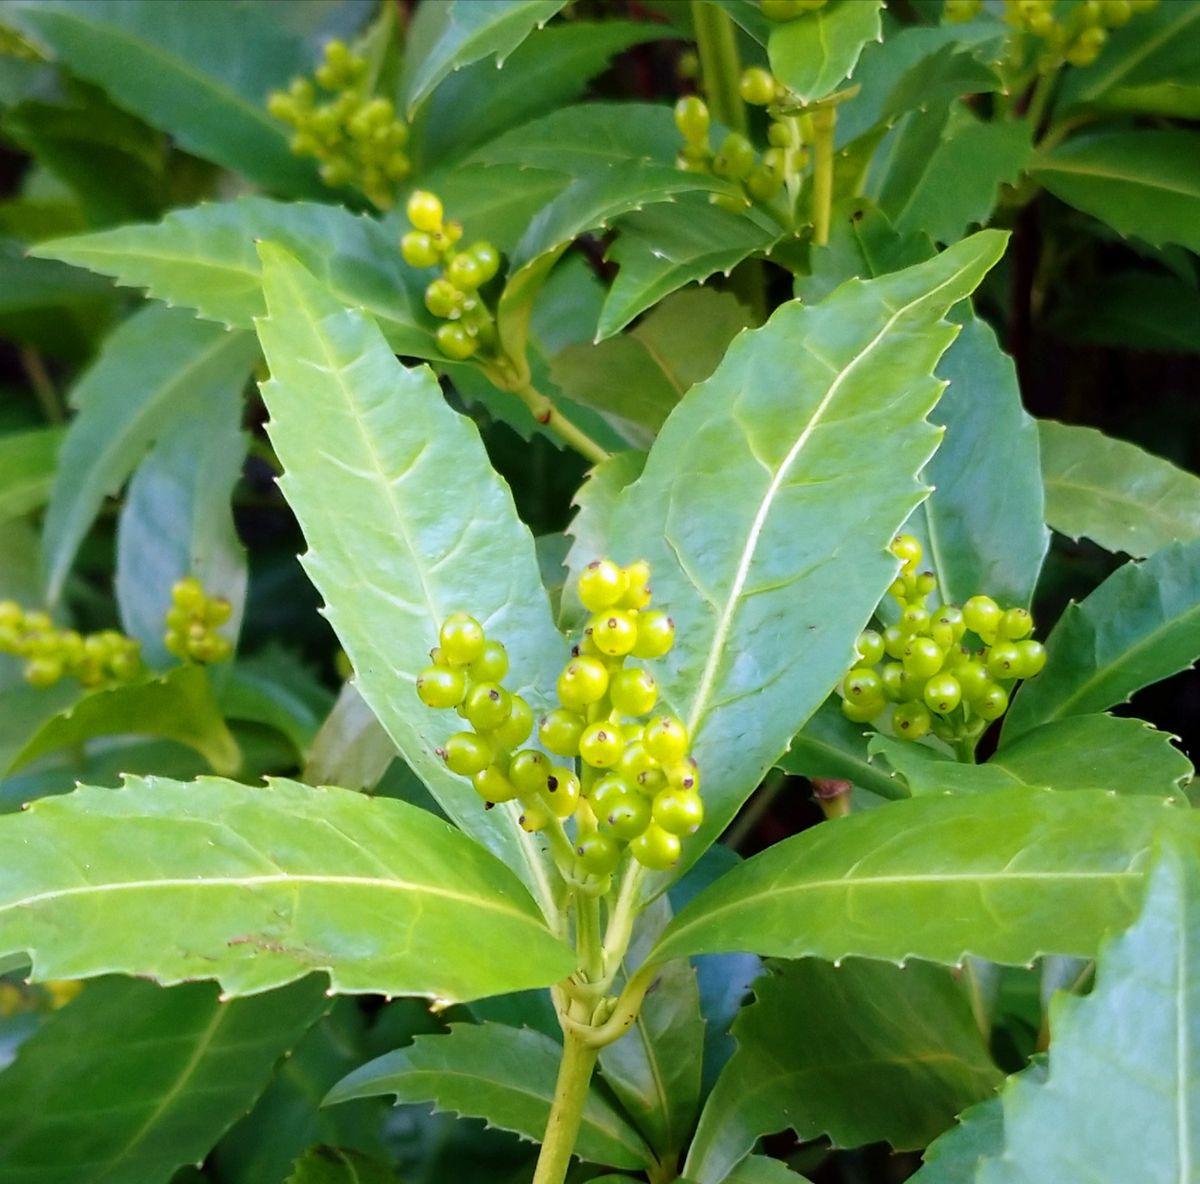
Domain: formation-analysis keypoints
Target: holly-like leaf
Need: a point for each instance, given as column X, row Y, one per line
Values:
column 339, row 1165
column 814, row 52
column 953, row 1157
column 1144, row 183
column 760, row 1169
column 1140, row 310
column 27, row 463
column 765, row 510
column 1141, row 625
column 1004, row 876
column 150, row 370
column 205, row 258
column 203, row 81
column 178, row 1066
column 1115, row 493
column 273, row 883
column 453, row 33
column 863, row 1053
column 421, row 527
column 351, row 748
column 503, row 1074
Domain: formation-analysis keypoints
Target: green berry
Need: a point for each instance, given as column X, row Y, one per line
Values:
column 655, row 635
column 534, row 817
column 614, row 632
column 1003, row 660
column 678, row 811
column 892, row 676
column 637, row 586
column 425, row 211
column 692, row 120
column 461, row 639
column 982, row 615
column 43, row 671
column 487, row 706
column 993, row 703
column 418, row 249
column 914, row 619
column 656, row 849
column 950, row 616
column 561, row 791
column 455, row 342
column 863, row 686
column 607, row 790
column 907, row 548
column 911, row 720
column 601, row 585
column 601, row 745
column 1032, row 658
column 441, row 687
column 583, row 681
column 626, row 816
column 633, row 691
column 895, row 641
column 757, row 86
column 650, row 781
column 598, row 853
column 528, row 771
column 186, row 594
column 763, row 183
column 464, row 272
column 466, row 753
column 487, row 258
column 861, row 713
column 1015, row 624
column 923, row 657
column 635, row 760
column 684, row 774
column 735, row 158
column 973, row 679
column 517, row 728
column 492, row 785
column 942, row 693
column 869, row 648
column 443, row 299
column 559, row 731
column 491, row 665
column 666, row 739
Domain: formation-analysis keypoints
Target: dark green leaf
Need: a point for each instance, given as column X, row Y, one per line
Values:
column 814, row 52
column 339, row 1165
column 1136, row 310
column 759, row 1169
column 496, row 202
column 27, row 464
column 953, row 1158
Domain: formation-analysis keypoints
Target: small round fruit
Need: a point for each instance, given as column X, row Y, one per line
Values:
column 894, row 641
column 914, row 619
column 461, row 639
column 650, row 781
column 635, row 760
column 861, row 713
column 863, row 686
column 923, row 657
column 492, row 785
column 598, row 853
column 535, row 816
column 517, row 728
column 1033, row 658
column 1016, row 624
column 425, row 211
column 1004, row 660
column 440, row 686
column 488, row 259
column 464, row 272
column 613, row 632
column 43, row 672
column 993, row 703
column 418, row 249
column 606, row 791
column 583, row 681
column 601, row 745
column 679, row 811
column 951, row 616
column 757, row 86
column 491, row 665
column 911, row 720
column 692, row 119
column 466, row 753
column 942, row 693
column 487, row 705
column 655, row 635
column 561, row 791
column 528, row 771
column 601, row 584
column 627, row 816
column 973, row 679
column 735, row 158
column 982, row 616
column 455, row 342
column 907, row 548
column 443, row 299
column 666, row 739
column 633, row 691
column 656, row 849
column 559, row 731
column 869, row 648
column 187, row 594
column 637, row 586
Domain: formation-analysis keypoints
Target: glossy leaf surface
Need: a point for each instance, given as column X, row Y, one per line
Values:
column 27, row 463
column 275, row 883
column 351, row 748
column 814, row 52
column 339, row 1165
column 829, row 745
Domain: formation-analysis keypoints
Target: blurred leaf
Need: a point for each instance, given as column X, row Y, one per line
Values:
column 345, row 413
column 275, row 882
column 503, row 1074
column 1144, row 183
column 812, row 53
column 759, row 1169
column 351, row 748
column 176, row 520
column 1141, row 625
column 27, row 711
column 338, row 1165
column 862, row 1053
column 446, row 36
column 1136, row 310
column 953, row 1157
column 765, row 513
column 157, row 364
column 1115, row 493
column 27, row 464
column 1006, row 876
column 205, row 258
column 178, row 1067
column 946, row 74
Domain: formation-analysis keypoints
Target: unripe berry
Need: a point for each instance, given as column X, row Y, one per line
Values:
column 923, row 657
column 861, row 713
column 441, row 687
column 614, row 632
column 735, row 158
column 517, row 728
column 763, row 183
column 418, row 249
column 951, row 617
column 491, row 665
column 655, row 635
column 907, row 548
column 942, row 693
column 598, row 853
column 633, row 691
column 1003, row 660
column 666, row 739
column 912, row 720
column 637, row 586
column 425, row 211
column 914, row 619
column 863, row 686
column 993, row 703
column 186, row 594
column 559, row 731
column 461, row 639
column 493, row 786
column 464, row 272
column 487, row 705
column 626, row 816
column 43, row 672
column 605, row 791
column 757, row 86
column 466, row 753
column 869, row 648
column 1015, row 624
column 601, row 745
column 528, row 771
column 973, row 679
column 601, row 585
column 692, row 120
column 982, row 615
column 678, row 811
column 895, row 641
column 1032, row 658
column 650, row 781
column 656, row 848
column 443, row 299
column 583, row 681
column 455, row 342
column 534, row 817
column 561, row 791
column 635, row 760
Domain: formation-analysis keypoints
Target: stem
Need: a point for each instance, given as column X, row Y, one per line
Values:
column 545, row 412
column 43, row 385
column 964, row 750
column 1043, row 92
column 720, row 65
column 566, row 1112
column 620, row 919
column 823, row 122
column 587, row 936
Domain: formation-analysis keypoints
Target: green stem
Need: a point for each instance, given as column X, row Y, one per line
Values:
column 43, row 385
column 720, row 65
column 964, row 749
column 566, row 1112
column 545, row 412
column 824, row 120
column 587, row 936
column 1043, row 92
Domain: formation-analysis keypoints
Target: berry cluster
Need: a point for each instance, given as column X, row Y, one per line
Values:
column 51, row 653
column 192, row 622
column 938, row 682
column 736, row 160
column 1074, row 34
column 359, row 140
column 789, row 10
column 454, row 295
column 624, row 779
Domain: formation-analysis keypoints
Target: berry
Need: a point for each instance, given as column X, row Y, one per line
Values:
column 650, row 781
column 598, row 853
column 666, row 739
column 863, row 686
column 583, row 681
column 559, row 731
column 605, row 791
column 488, row 260
column 425, row 211
column 895, row 641
column 455, row 342
column 735, row 158
column 678, row 811
column 443, row 299
column 914, row 619
column 635, row 760
column 655, row 635
column 908, row 550
column 627, row 815
column 535, row 816
column 601, row 746
column 466, row 754
column 418, row 249
column 757, row 86
column 487, row 705
column 492, row 785
column 601, row 584
column 186, row 594
column 528, row 771
column 1003, row 660
column 464, row 272
column 993, row 703
column 684, row 774
column 950, row 616
column 973, row 679
column 561, row 791
column 1032, row 658
column 869, row 648
column 982, row 616
column 491, row 665
column 43, row 672
column 439, row 686
column 1015, row 624
column 637, row 586
column 922, row 657
column 614, row 632
column 691, row 118
column 633, row 691
column 763, row 183
column 656, row 849
column 461, row 639
column 942, row 693
column 912, row 720
column 861, row 713
column 517, row 728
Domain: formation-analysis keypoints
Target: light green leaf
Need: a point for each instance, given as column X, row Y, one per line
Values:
column 1124, row 1061
column 1004, row 876
column 1144, row 183
column 662, row 248
column 390, row 555
column 1136, row 310
column 1115, row 493
column 817, row 50
column 863, row 1053
column 765, row 512
column 454, row 33
column 177, row 520
column 339, row 1165
column 503, row 1074
column 351, row 748
column 953, row 1157
column 274, row 883
column 203, row 81
column 205, row 258
column 27, row 463
column 150, row 370
column 1141, row 625
column 180, row 706
column 178, row 1067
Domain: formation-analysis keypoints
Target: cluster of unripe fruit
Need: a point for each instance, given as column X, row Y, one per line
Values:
column 454, row 295
column 192, row 623
column 628, row 781
column 51, row 653
column 789, row 10
column 924, row 666
column 358, row 139
column 736, row 159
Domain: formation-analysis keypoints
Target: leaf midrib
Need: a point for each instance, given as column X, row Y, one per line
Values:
column 1149, row 509
column 1110, row 173
column 1102, row 84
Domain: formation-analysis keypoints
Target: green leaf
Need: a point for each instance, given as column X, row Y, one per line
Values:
column 351, row 748
column 1136, row 1037
column 641, row 375
column 27, row 711
column 178, row 1067
column 203, row 81
column 1115, row 493
column 180, row 706
column 953, row 1157
column 339, row 1165
column 274, row 883
column 814, row 52
column 1141, row 625
column 759, row 1169
column 864, row 1053
column 27, row 463
column 454, row 33
column 662, row 248
column 205, row 258
column 764, row 472
column 947, row 74
column 1136, row 310
column 1004, row 876
column 346, row 414
column 1144, row 183
column 177, row 520
column 150, row 370
column 1082, row 752
column 503, row 1074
